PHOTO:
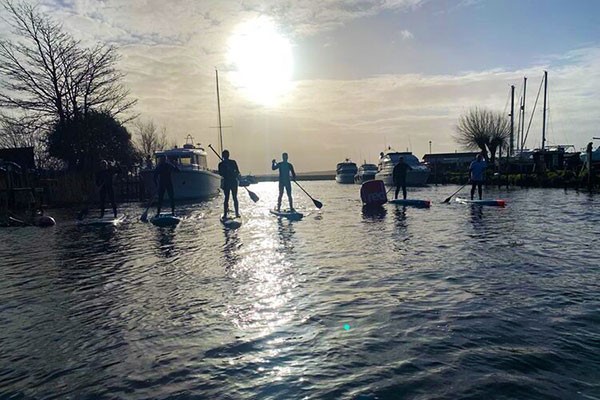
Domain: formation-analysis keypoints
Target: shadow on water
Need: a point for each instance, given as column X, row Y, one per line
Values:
column 373, row 213
column 166, row 245
column 286, row 231
column 400, row 221
column 230, row 248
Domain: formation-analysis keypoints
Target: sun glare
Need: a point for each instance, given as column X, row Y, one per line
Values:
column 261, row 59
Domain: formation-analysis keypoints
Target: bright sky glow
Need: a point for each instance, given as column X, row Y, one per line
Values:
column 262, row 61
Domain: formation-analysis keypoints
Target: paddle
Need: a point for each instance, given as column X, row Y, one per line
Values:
column 318, row 204
column 452, row 195
column 252, row 195
column 144, row 216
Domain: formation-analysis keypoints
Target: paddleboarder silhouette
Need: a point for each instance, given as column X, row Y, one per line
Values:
column 285, row 170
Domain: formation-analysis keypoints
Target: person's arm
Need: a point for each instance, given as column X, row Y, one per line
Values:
column 156, row 172
column 293, row 172
column 395, row 173
column 236, row 170
column 221, row 169
column 274, row 165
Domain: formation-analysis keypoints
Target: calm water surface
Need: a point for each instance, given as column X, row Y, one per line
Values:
column 452, row 302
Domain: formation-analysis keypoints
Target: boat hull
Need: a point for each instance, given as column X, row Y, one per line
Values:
column 344, row 178
column 414, row 177
column 188, row 185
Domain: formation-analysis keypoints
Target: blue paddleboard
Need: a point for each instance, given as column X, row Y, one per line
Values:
column 231, row 223
column 411, row 202
column 165, row 220
column 293, row 215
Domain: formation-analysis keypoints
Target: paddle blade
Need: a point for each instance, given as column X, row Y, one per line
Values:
column 253, row 196
column 144, row 217
column 318, row 204
column 447, row 200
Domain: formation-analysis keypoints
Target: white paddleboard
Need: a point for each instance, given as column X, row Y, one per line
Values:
column 492, row 202
column 107, row 220
column 231, row 223
column 293, row 215
column 165, row 220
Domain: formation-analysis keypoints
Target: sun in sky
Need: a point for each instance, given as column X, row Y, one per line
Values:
column 261, row 60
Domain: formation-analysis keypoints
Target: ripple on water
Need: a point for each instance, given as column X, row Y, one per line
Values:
column 449, row 302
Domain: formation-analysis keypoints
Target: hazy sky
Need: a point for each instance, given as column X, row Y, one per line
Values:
column 341, row 79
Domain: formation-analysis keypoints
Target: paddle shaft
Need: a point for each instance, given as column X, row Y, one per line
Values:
column 318, row 204
column 452, row 195
column 252, row 195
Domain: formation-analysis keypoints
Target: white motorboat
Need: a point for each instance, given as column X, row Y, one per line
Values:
column 194, row 181
column 416, row 176
column 345, row 171
column 366, row 172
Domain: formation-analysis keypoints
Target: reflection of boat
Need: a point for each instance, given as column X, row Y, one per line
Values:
column 194, row 181
column 247, row 180
column 366, row 172
column 345, row 171
column 417, row 176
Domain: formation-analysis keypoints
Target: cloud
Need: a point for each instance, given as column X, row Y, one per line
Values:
column 170, row 49
column 406, row 35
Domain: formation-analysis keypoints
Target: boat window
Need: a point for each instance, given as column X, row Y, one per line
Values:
column 408, row 158
column 185, row 160
column 202, row 161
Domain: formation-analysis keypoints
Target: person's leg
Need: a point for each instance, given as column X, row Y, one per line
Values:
column 226, row 190
column 102, row 199
column 397, row 191
column 236, row 205
column 161, row 195
column 171, row 197
column 473, row 189
column 280, row 196
column 404, row 190
column 288, row 189
column 480, row 189
column 111, row 194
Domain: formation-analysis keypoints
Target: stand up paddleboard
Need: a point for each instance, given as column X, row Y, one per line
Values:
column 496, row 203
column 411, row 202
column 105, row 221
column 292, row 215
column 165, row 220
column 231, row 223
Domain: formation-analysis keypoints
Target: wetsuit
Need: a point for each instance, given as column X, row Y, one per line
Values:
column 104, row 180
column 477, row 168
column 229, row 170
column 162, row 179
column 399, row 176
column 285, row 169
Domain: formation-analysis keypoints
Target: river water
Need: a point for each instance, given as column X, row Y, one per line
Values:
column 451, row 302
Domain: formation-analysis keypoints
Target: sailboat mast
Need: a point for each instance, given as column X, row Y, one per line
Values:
column 511, row 145
column 523, row 112
column 544, row 120
column 219, row 110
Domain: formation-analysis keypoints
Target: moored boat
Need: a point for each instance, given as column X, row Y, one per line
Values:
column 366, row 172
column 194, row 181
column 416, row 176
column 345, row 171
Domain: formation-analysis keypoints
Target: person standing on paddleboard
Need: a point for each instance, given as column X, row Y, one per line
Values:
column 230, row 172
column 477, row 169
column 162, row 179
column 399, row 177
column 104, row 182
column 285, row 169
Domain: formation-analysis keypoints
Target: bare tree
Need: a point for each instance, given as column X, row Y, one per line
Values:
column 148, row 138
column 484, row 130
column 49, row 73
